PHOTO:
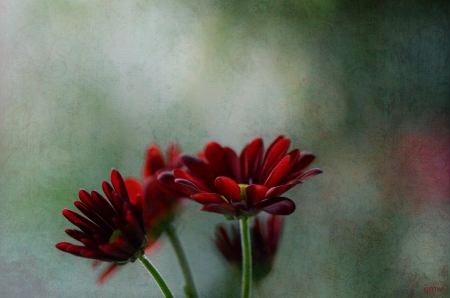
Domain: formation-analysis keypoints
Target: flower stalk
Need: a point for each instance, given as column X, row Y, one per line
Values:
column 189, row 288
column 155, row 274
column 246, row 257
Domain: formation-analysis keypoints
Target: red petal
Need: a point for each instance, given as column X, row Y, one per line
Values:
column 105, row 275
column 233, row 163
column 80, row 251
column 102, row 207
column 199, row 168
column 250, row 159
column 310, row 173
column 272, row 235
column 134, row 188
column 278, row 206
column 173, row 155
column 279, row 172
column 201, row 184
column 86, row 198
column 306, row 158
column 243, row 206
column 215, row 155
column 167, row 180
column 207, row 198
column 84, row 224
column 278, row 190
column 118, row 184
column 228, row 188
column 187, row 186
column 255, row 193
column 153, row 161
column 225, row 209
column 115, row 252
column 276, row 151
column 157, row 203
column 94, row 217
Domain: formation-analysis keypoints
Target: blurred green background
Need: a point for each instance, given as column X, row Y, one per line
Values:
column 85, row 86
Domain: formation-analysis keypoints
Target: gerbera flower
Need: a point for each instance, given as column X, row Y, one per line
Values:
column 243, row 185
column 111, row 230
column 264, row 235
column 159, row 205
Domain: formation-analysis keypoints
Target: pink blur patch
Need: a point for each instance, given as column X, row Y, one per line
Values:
column 424, row 158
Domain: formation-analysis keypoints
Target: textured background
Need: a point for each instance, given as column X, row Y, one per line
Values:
column 85, row 86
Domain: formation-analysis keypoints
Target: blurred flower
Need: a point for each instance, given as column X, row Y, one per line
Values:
column 264, row 235
column 424, row 162
column 159, row 204
column 111, row 231
column 242, row 185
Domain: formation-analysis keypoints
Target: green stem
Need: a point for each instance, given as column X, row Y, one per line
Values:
column 246, row 258
column 158, row 278
column 189, row 288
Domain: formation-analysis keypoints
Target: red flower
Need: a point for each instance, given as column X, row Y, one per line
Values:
column 159, row 204
column 111, row 231
column 264, row 235
column 243, row 185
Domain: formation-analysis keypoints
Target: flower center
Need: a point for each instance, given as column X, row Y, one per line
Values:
column 114, row 236
column 243, row 192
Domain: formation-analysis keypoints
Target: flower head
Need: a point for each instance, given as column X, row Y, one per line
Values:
column 264, row 235
column 159, row 205
column 111, row 230
column 243, row 185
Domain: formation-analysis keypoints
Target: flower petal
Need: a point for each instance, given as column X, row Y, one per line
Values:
column 134, row 188
column 107, row 273
column 154, row 161
column 272, row 234
column 187, row 186
column 310, row 173
column 243, row 206
column 77, row 235
column 255, row 193
column 200, row 184
column 92, row 216
column 305, row 159
column 228, row 188
column 84, row 224
column 215, row 154
column 101, row 205
column 118, row 184
column 233, row 162
column 276, row 151
column 81, row 251
column 167, row 180
column 225, row 209
column 208, row 198
column 278, row 190
column 278, row 206
column 250, row 160
column 279, row 172
column 199, row 168
column 173, row 155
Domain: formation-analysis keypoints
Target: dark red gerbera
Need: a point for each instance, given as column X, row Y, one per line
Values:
column 243, row 185
column 264, row 235
column 111, row 230
column 159, row 205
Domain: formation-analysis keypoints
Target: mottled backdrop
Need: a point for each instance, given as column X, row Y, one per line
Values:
column 85, row 86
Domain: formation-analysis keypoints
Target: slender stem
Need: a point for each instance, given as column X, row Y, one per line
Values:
column 246, row 257
column 189, row 288
column 158, row 278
